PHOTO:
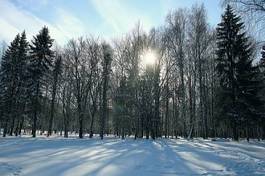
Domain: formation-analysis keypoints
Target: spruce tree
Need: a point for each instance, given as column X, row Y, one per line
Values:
column 228, row 31
column 22, row 74
column 41, row 57
column 238, row 77
column 8, row 84
column 262, row 91
column 248, row 103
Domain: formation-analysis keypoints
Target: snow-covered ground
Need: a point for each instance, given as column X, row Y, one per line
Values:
column 57, row 156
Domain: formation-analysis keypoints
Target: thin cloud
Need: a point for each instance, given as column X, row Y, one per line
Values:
column 14, row 20
column 119, row 17
column 70, row 25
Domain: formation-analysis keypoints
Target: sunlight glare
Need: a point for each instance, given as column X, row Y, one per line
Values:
column 149, row 57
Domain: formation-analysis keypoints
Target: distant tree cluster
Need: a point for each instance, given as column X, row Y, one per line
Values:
column 203, row 82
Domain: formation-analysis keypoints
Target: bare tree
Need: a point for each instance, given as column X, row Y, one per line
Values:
column 198, row 44
column 176, row 32
column 77, row 59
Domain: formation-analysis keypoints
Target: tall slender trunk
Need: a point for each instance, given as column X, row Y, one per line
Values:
column 174, row 113
column 137, row 127
column 52, row 106
column 147, row 133
column 66, row 119
column 5, row 127
column 104, row 101
column 142, row 127
column 17, row 128
column 167, row 104
column 182, row 87
column 190, row 108
column 12, row 125
column 66, row 126
column 202, row 118
column 122, row 133
column 92, row 122
column 21, row 125
column 247, row 131
column 34, row 127
column 80, row 115
column 91, row 128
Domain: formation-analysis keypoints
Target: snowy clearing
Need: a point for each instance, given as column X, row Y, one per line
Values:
column 57, row 156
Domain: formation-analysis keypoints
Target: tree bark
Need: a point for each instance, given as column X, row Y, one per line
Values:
column 34, row 127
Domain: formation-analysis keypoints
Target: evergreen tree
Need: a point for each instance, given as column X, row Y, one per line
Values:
column 121, row 108
column 9, row 84
column 147, row 101
column 238, row 77
column 22, row 74
column 248, row 103
column 262, row 91
column 228, row 32
column 40, row 64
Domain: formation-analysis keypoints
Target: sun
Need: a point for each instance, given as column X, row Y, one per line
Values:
column 148, row 57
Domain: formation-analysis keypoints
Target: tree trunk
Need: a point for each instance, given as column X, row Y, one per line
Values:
column 52, row 106
column 190, row 108
column 34, row 127
column 235, row 132
column 92, row 121
column 91, row 127
column 21, row 125
column 17, row 128
column 12, row 126
column 166, row 114
column 80, row 124
column 104, row 101
column 5, row 127
column 123, row 133
column 66, row 130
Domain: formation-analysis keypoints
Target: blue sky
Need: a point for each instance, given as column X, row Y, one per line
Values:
column 108, row 19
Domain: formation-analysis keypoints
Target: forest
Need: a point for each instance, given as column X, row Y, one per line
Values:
column 185, row 78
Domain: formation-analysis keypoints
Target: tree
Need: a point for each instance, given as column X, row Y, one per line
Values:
column 252, row 12
column 3, row 47
column 121, row 109
column 82, row 58
column 176, row 38
column 146, row 99
column 23, row 80
column 199, row 42
column 127, row 64
column 106, row 64
column 234, row 66
column 41, row 57
column 9, row 83
column 196, row 87
column 249, row 84
column 14, row 82
column 57, row 70
column 77, row 67
column 262, row 90
column 252, row 6
column 66, row 95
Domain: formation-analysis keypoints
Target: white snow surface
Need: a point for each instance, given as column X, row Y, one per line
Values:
column 57, row 156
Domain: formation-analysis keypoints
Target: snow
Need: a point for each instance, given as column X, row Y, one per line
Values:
column 58, row 156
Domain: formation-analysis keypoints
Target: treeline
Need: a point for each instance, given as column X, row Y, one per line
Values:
column 204, row 82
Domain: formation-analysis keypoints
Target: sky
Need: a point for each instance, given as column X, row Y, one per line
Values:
column 107, row 19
